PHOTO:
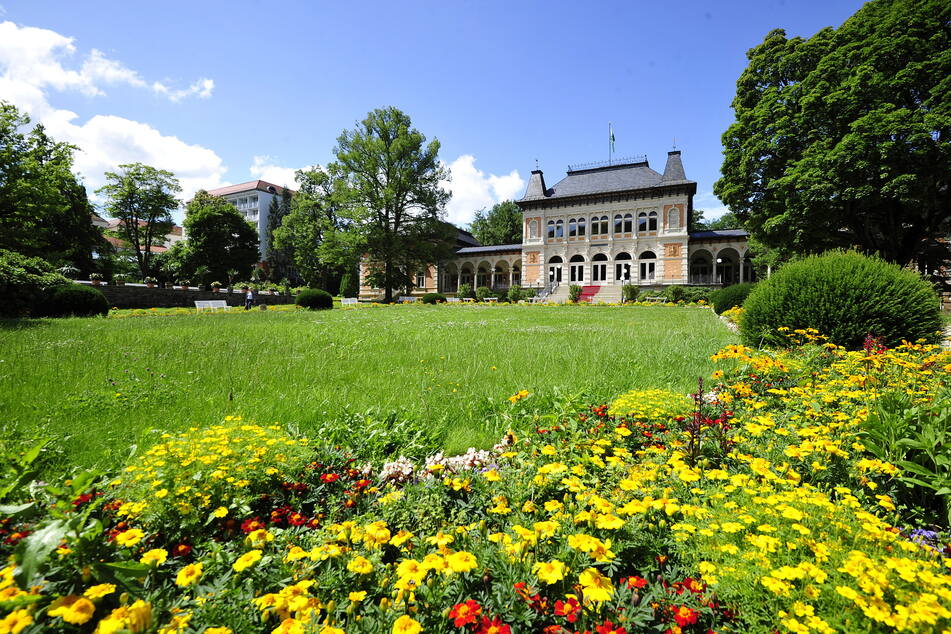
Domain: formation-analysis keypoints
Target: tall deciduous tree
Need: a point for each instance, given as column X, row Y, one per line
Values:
column 394, row 199
column 278, row 259
column 142, row 199
column 844, row 139
column 219, row 238
column 44, row 211
column 500, row 225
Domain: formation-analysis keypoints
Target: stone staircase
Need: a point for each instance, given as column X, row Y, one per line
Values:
column 609, row 294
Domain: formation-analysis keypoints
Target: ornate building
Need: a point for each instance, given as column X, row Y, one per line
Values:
column 600, row 227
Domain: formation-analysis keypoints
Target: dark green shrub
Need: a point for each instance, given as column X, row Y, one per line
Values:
column 730, row 296
column 74, row 300
column 675, row 293
column 24, row 283
column 629, row 293
column 465, row 290
column 697, row 293
column 574, row 292
column 528, row 293
column 515, row 294
column 434, row 298
column 315, row 299
column 349, row 285
column 482, row 292
column 845, row 296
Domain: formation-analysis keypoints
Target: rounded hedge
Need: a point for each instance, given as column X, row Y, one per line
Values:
column 730, row 296
column 434, row 298
column 315, row 299
column 845, row 296
column 75, row 300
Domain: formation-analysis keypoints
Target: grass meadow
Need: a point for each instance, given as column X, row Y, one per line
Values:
column 101, row 387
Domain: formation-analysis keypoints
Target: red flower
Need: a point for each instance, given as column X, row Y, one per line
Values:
column 181, row 550
column 495, row 626
column 634, row 581
column 251, row 525
column 609, row 628
column 685, row 616
column 694, row 585
column 464, row 613
column 296, row 519
column 327, row 478
column 569, row 609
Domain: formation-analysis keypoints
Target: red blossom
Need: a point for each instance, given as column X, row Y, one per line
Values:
column 328, row 478
column 495, row 626
column 685, row 616
column 251, row 525
column 181, row 550
column 569, row 609
column 463, row 614
column 609, row 627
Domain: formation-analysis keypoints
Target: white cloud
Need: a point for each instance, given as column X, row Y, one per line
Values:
column 472, row 189
column 32, row 64
column 265, row 168
column 710, row 204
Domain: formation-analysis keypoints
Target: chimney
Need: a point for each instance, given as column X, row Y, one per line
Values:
column 674, row 170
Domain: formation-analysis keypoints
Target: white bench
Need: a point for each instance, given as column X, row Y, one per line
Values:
column 210, row 304
column 348, row 301
column 454, row 300
column 407, row 299
column 655, row 299
column 490, row 300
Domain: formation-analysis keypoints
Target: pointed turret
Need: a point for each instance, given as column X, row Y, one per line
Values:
column 674, row 171
column 536, row 186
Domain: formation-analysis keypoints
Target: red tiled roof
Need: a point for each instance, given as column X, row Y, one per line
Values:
column 122, row 244
column 175, row 230
column 250, row 186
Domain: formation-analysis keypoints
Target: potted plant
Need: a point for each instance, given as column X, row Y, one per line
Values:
column 119, row 279
column 150, row 281
column 184, row 284
column 69, row 271
column 95, row 278
column 216, row 287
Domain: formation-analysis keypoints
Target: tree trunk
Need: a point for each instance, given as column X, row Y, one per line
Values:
column 387, row 277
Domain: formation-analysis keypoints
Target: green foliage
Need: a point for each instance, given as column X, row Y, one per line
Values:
column 23, row 283
column 841, row 139
column 465, row 291
column 500, row 225
column 574, row 292
column 482, row 292
column 44, row 211
column 675, row 293
column 279, row 260
column 349, row 284
column 730, row 296
column 219, row 239
column 630, row 292
column 142, row 199
column 845, row 296
column 315, row 299
column 651, row 405
column 434, row 298
column 515, row 294
column 74, row 300
column 394, row 200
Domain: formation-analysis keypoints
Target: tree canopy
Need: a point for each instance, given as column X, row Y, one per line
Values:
column 142, row 199
column 394, row 200
column 278, row 259
column 842, row 139
column 219, row 238
column 500, row 225
column 44, row 211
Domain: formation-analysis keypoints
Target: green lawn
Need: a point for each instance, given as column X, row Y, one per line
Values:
column 100, row 386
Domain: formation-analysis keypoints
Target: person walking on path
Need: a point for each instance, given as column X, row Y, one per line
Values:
column 248, row 299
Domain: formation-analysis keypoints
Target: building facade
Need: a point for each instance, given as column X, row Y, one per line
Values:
column 253, row 201
column 601, row 227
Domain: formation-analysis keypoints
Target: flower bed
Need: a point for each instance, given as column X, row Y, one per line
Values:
column 755, row 507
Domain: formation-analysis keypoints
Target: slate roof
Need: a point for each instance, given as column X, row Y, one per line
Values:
column 250, row 186
column 495, row 248
column 463, row 237
column 721, row 234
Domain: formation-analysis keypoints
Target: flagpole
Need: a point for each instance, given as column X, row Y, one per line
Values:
column 610, row 145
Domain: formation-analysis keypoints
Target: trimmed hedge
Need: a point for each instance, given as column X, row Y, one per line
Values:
column 434, row 298
column 24, row 283
column 730, row 296
column 74, row 300
column 482, row 292
column 315, row 299
column 845, row 296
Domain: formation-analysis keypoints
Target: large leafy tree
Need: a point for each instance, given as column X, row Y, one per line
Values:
column 142, row 199
column 318, row 234
column 279, row 260
column 394, row 201
column 843, row 139
column 219, row 238
column 44, row 211
column 500, row 225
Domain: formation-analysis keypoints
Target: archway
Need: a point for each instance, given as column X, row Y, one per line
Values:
column 727, row 266
column 576, row 268
column 599, row 268
column 623, row 267
column 554, row 269
column 648, row 266
column 701, row 267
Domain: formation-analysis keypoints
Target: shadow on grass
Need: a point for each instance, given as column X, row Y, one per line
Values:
column 23, row 324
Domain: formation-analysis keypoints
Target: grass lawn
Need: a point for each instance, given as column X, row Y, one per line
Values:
column 109, row 384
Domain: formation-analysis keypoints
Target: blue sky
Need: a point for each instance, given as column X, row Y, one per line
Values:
column 224, row 92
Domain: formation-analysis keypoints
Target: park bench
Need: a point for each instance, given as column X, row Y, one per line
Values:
column 407, row 299
column 491, row 300
column 454, row 300
column 468, row 300
column 210, row 304
column 655, row 299
column 348, row 301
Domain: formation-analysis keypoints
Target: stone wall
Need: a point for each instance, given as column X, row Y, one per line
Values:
column 140, row 296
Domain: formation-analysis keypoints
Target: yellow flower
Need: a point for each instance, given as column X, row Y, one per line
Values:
column 221, row 511
column 406, row 625
column 401, row 538
column 461, row 561
column 16, row 622
column 247, row 560
column 72, row 609
column 596, row 586
column 130, row 537
column 289, row 626
column 218, row 630
column 549, row 571
column 189, row 575
column 97, row 592
column 155, row 556
column 492, row 475
column 360, row 565
column 357, row 597
column 327, row 629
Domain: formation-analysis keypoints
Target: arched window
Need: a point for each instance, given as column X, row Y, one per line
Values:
column 599, row 268
column 572, row 228
column 603, row 229
column 673, row 219
column 623, row 266
column 554, row 269
column 559, row 228
column 652, row 221
column 628, row 223
column 532, row 229
column 551, row 229
column 647, row 261
column 642, row 222
column 581, row 226
column 576, row 268
column 516, row 275
column 618, row 228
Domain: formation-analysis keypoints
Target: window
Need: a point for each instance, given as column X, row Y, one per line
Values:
column 559, row 228
column 628, row 223
column 532, row 229
column 599, row 226
column 652, row 221
column 576, row 268
column 572, row 228
column 551, row 229
column 673, row 219
column 581, row 227
column 599, row 268
column 554, row 269
column 642, row 222
column 618, row 228
column 622, row 267
column 647, row 261
column 421, row 279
